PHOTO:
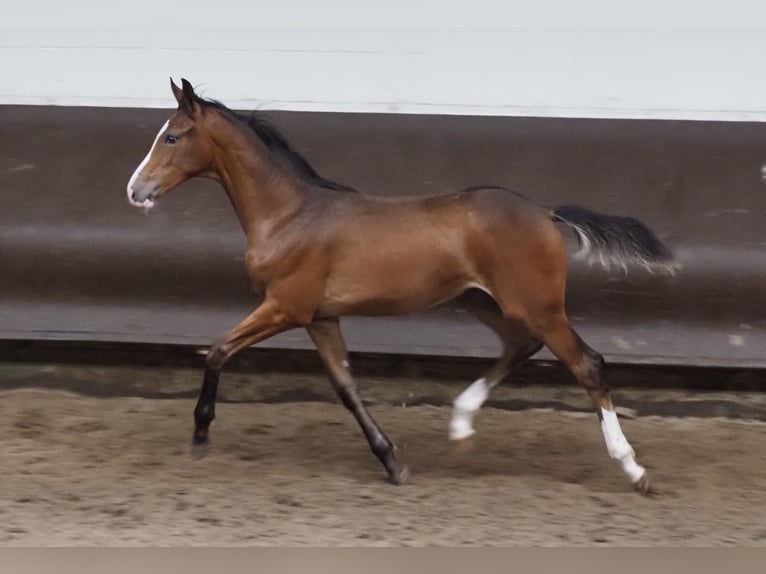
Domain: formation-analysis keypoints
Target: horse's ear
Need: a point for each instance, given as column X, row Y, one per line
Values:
column 187, row 100
column 188, row 89
column 177, row 93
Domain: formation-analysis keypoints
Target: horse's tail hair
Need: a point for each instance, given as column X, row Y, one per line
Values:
column 615, row 241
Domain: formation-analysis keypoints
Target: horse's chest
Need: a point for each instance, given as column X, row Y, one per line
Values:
column 260, row 264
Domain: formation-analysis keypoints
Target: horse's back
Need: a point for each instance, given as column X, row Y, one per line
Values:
column 413, row 253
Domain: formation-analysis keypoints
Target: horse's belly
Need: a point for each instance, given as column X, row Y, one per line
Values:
column 374, row 293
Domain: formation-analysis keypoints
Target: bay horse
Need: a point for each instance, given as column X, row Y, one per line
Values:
column 317, row 251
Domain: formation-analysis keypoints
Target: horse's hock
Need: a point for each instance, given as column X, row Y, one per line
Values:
column 79, row 264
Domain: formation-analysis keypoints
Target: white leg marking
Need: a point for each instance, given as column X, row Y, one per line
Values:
column 148, row 202
column 466, row 405
column 618, row 447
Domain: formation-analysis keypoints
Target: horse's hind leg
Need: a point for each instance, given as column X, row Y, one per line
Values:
column 588, row 368
column 518, row 345
column 328, row 339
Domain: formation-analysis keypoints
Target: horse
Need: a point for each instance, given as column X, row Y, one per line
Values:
column 318, row 250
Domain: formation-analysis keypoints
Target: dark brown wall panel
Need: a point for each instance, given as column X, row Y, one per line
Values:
column 77, row 262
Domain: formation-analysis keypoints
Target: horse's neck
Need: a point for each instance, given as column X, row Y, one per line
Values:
column 259, row 189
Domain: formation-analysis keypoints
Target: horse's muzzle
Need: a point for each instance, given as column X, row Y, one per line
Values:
column 142, row 196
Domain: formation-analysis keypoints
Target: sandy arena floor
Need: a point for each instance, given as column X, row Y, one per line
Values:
column 80, row 469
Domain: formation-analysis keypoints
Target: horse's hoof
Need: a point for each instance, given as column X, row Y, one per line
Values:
column 399, row 476
column 461, row 434
column 642, row 485
column 199, row 449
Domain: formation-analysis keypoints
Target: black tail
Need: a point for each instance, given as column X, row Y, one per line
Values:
column 613, row 240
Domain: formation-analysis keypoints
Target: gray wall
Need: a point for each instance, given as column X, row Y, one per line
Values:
column 593, row 58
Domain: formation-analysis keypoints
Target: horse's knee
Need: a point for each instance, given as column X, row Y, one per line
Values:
column 591, row 374
column 216, row 356
column 594, row 363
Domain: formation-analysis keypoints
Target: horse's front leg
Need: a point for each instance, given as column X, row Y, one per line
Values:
column 267, row 320
column 327, row 337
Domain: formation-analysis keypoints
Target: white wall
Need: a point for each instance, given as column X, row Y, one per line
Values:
column 591, row 58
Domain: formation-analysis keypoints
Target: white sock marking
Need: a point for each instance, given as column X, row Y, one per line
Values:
column 147, row 202
column 465, row 407
column 618, row 446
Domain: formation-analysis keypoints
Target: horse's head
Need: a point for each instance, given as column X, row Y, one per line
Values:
column 179, row 152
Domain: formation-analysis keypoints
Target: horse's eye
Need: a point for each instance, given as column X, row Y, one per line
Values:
column 170, row 140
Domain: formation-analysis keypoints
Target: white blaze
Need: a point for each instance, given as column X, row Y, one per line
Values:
column 136, row 174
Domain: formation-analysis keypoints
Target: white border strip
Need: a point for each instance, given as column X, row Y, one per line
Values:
column 407, row 108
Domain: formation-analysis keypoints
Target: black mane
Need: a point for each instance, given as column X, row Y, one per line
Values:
column 277, row 143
